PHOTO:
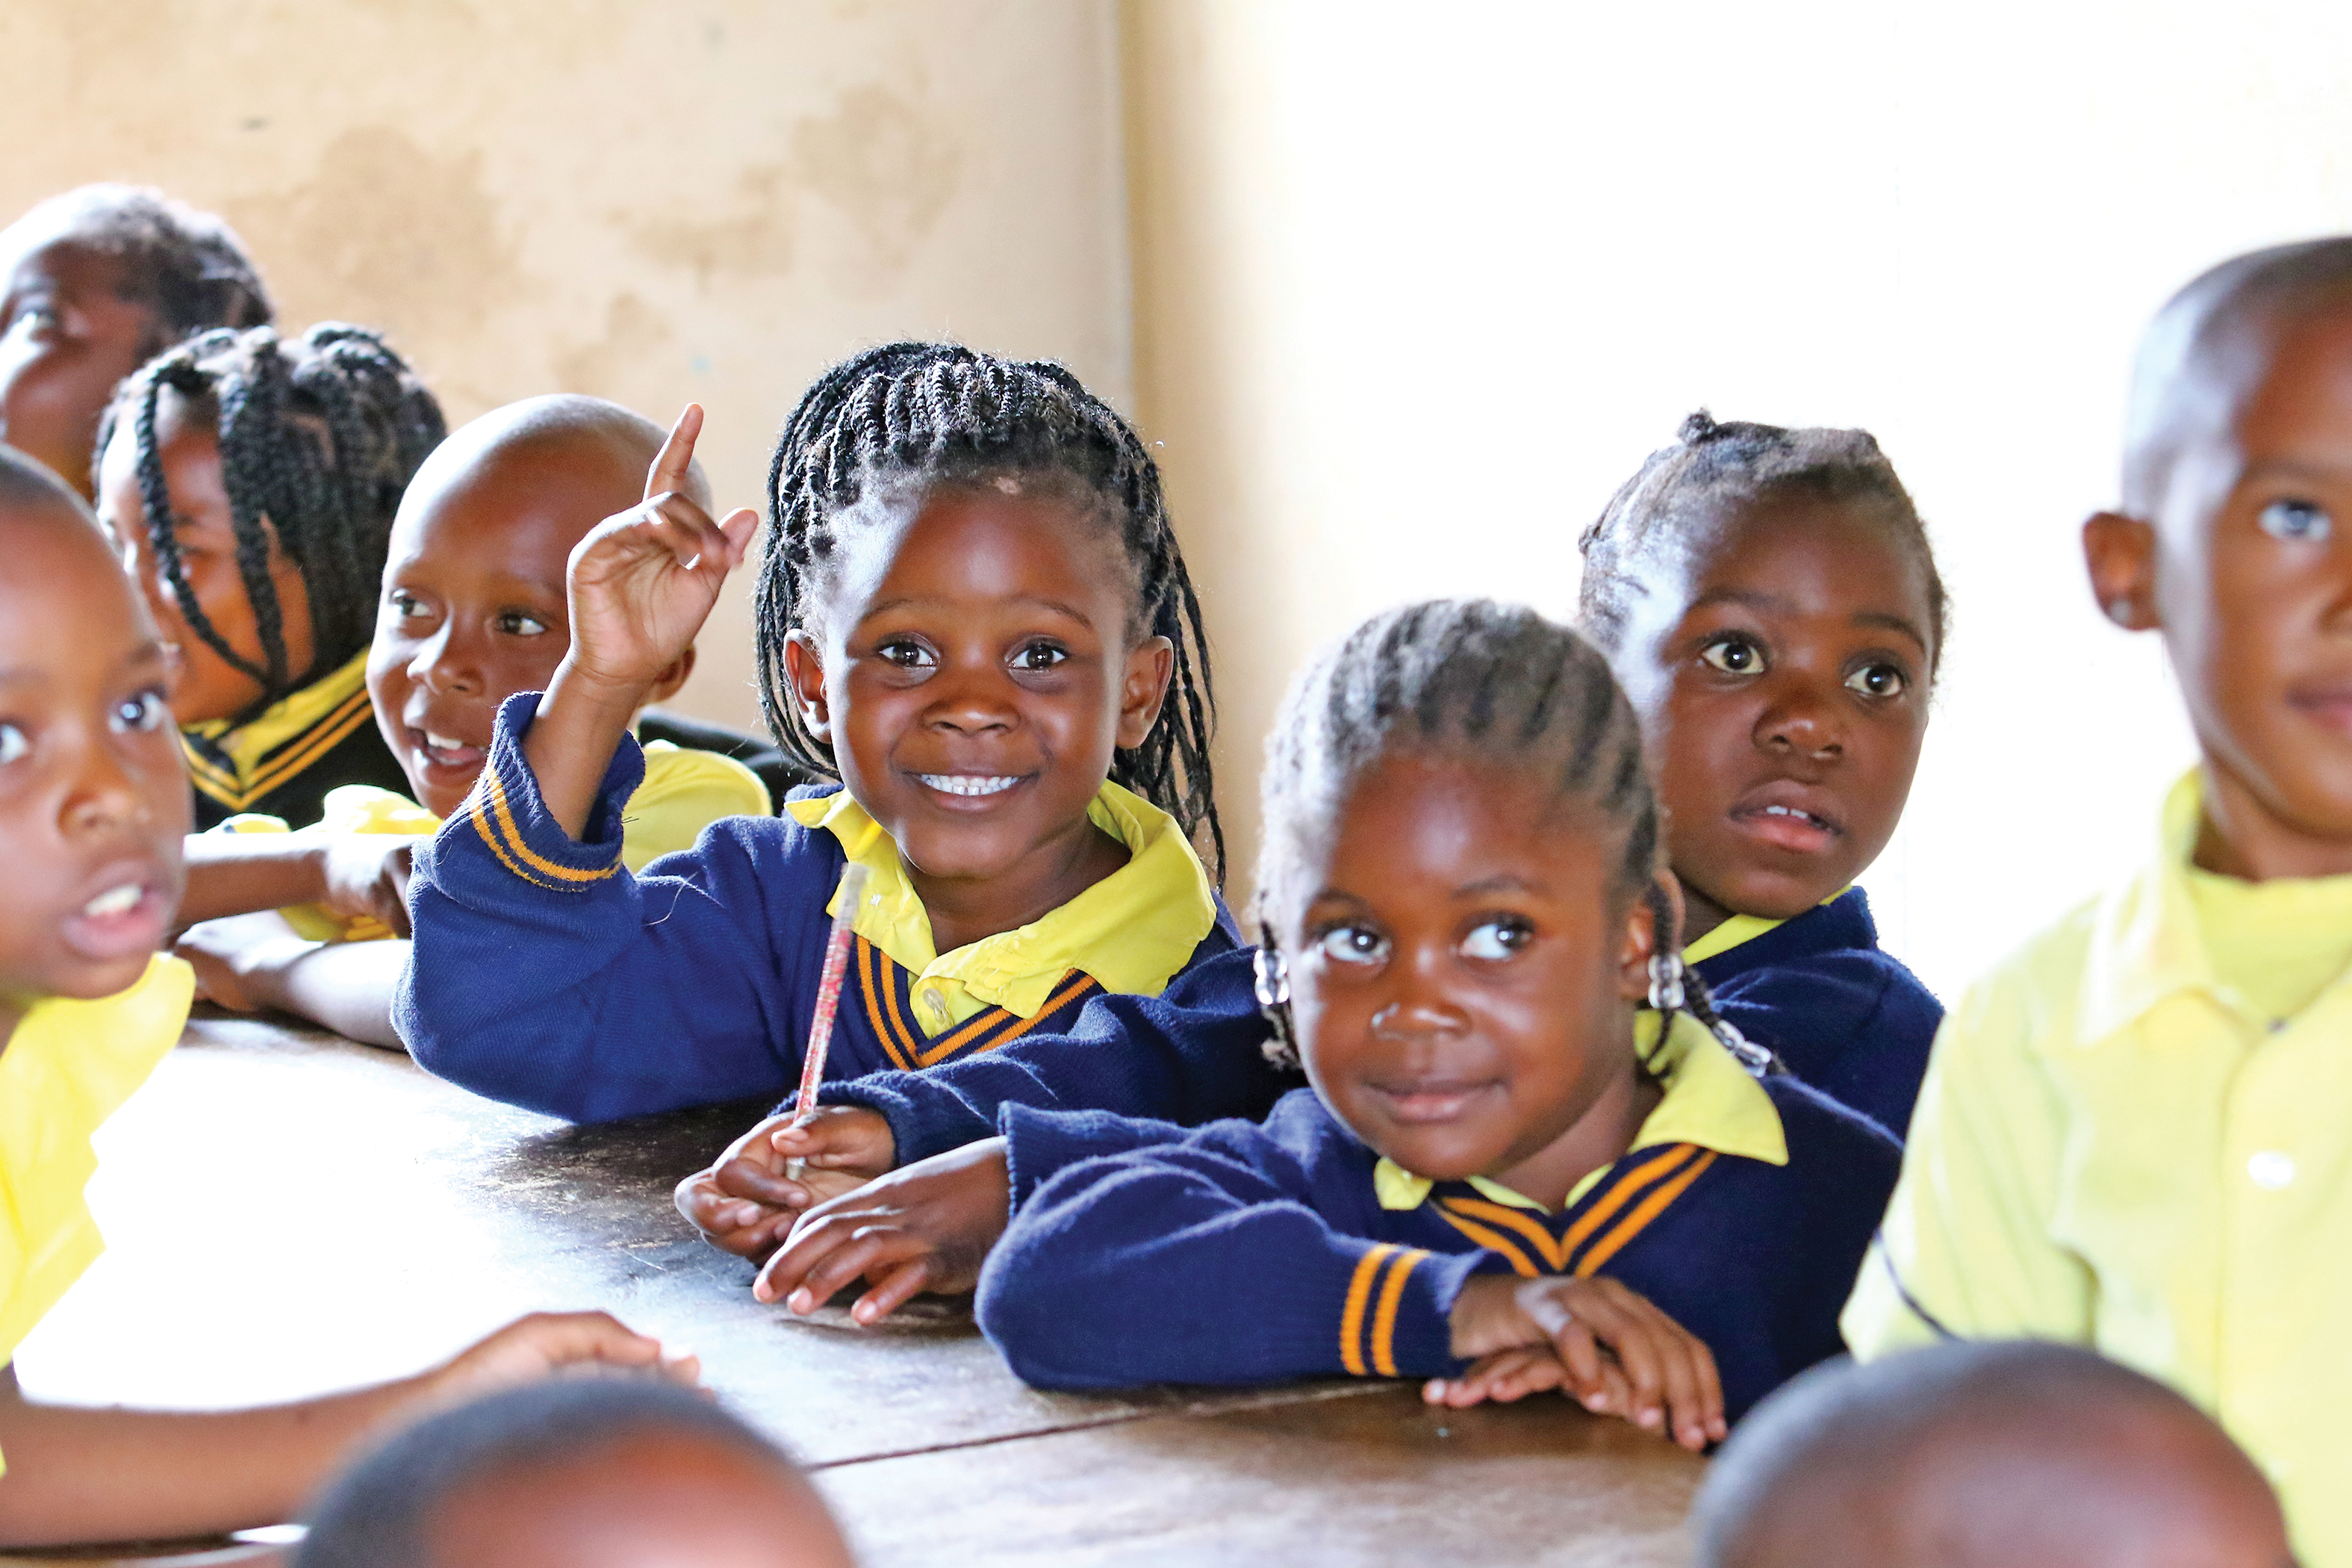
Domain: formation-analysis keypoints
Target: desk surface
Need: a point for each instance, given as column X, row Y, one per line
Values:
column 287, row 1213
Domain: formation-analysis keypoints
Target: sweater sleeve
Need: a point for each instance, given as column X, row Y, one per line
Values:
column 1205, row 1257
column 1192, row 1054
column 546, row 975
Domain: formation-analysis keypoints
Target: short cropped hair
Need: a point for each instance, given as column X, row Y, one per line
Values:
column 379, row 1513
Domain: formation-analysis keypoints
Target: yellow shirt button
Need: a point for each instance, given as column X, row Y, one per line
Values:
column 935, row 1003
column 2270, row 1170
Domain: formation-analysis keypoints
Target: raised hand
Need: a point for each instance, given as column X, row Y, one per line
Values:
column 643, row 582
column 744, row 1203
column 924, row 1226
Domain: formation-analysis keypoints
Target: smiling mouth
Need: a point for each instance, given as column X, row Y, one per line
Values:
column 115, row 902
column 968, row 785
column 446, row 750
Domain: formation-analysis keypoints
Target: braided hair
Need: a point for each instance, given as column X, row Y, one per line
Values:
column 1469, row 680
column 914, row 418
column 1713, row 465
column 319, row 437
column 188, row 268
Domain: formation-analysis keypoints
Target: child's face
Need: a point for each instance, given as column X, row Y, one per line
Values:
column 210, row 687
column 93, row 799
column 474, row 609
column 1463, row 968
column 976, row 677
column 67, row 336
column 2246, row 568
column 1780, row 670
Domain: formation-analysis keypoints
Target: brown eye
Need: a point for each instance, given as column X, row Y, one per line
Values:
column 1496, row 940
column 2298, row 521
column 1878, row 680
column 903, row 654
column 1733, row 656
column 1039, row 656
column 1352, row 944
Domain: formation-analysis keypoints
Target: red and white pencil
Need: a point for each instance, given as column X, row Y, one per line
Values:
column 829, row 988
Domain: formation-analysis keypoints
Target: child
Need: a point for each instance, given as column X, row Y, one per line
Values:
column 2006, row 1455
column 2132, row 1137
column 595, row 1473
column 93, row 806
column 1772, row 608
column 971, row 611
column 1503, row 1166
column 473, row 612
column 98, row 281
column 251, row 484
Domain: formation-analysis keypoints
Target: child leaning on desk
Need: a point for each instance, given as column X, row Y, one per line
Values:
column 93, row 807
column 1509, row 1174
column 2133, row 1135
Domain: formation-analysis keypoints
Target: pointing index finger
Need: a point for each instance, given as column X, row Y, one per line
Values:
column 668, row 473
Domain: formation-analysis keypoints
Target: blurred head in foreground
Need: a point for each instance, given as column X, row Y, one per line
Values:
column 588, row 1473
column 1973, row 1455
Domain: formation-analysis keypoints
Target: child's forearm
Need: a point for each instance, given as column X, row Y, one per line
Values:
column 81, row 1475
column 571, row 740
column 241, row 873
column 347, row 986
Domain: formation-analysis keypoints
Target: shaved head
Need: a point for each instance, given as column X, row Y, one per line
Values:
column 2208, row 347
column 1985, row 1456
column 564, row 428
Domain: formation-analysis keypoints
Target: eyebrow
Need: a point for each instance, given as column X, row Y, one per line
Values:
column 2290, row 468
column 1056, row 606
column 155, row 652
column 1501, row 882
column 1750, row 599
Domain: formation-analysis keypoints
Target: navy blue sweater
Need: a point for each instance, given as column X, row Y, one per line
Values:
column 1140, row 1252
column 1845, row 1016
column 546, row 975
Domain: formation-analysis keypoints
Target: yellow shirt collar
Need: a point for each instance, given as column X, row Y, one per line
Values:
column 1741, row 929
column 1131, row 932
column 1710, row 1100
column 291, row 715
column 63, row 1071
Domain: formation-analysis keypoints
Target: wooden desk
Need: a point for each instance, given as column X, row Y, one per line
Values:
column 289, row 1213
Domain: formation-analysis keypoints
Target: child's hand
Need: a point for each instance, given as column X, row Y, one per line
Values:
column 1617, row 1354
column 367, row 874
column 744, row 1203
column 237, row 960
column 924, row 1226
column 546, row 1343
column 642, row 583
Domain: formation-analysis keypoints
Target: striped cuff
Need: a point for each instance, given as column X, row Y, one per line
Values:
column 505, row 810
column 1396, row 1321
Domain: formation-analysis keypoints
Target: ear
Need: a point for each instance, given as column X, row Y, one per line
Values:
column 1151, row 665
column 1644, row 939
column 2120, row 552
column 667, row 684
column 805, row 678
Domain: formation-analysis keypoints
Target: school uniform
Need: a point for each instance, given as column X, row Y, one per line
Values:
column 2133, row 1137
column 283, row 762
column 1844, row 1015
column 67, row 1068
column 1237, row 1254
column 683, row 793
column 547, row 974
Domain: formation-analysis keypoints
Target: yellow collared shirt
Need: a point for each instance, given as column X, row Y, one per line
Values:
column 1710, row 1100
column 2119, row 1147
column 684, row 791
column 63, row 1071
column 263, row 754
column 1131, row 932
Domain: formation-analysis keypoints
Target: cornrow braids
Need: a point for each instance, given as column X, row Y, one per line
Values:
column 1469, row 679
column 1711, row 465
column 918, row 416
column 319, row 438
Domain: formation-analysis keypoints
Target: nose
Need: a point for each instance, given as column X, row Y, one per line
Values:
column 969, row 699
column 444, row 664
column 1803, row 717
column 102, row 792
column 1420, row 1009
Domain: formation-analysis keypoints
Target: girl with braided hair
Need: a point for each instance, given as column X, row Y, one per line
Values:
column 1528, row 1159
column 972, row 615
column 251, row 482
column 1769, row 601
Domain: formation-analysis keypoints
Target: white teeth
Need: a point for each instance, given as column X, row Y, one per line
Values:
column 114, row 902
column 444, row 743
column 1792, row 811
column 966, row 783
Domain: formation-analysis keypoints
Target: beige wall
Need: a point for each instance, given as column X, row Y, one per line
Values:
column 1417, row 286
column 695, row 199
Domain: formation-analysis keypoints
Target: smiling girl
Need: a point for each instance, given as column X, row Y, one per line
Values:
column 1772, row 606
column 1506, row 1163
column 973, row 613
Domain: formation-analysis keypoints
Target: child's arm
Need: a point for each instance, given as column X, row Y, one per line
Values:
column 78, row 1474
column 252, row 962
column 350, row 873
column 927, row 1227
column 639, row 586
column 1206, row 1260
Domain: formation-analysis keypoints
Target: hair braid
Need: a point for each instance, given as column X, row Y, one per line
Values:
column 319, row 437
column 927, row 415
